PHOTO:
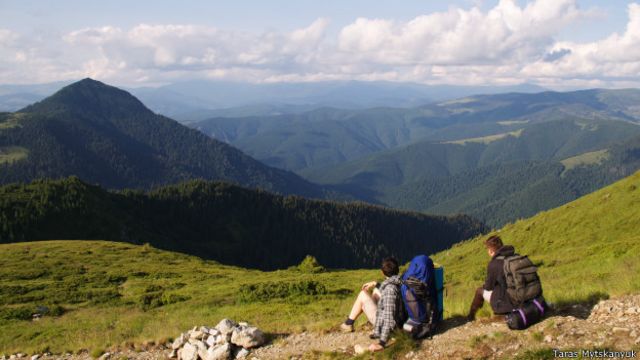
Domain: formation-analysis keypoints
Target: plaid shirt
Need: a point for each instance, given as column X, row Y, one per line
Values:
column 389, row 312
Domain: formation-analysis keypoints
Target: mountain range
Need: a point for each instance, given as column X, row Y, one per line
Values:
column 497, row 157
column 106, row 136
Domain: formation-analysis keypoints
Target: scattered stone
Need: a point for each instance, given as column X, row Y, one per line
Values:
column 35, row 357
column 225, row 326
column 548, row 339
column 105, row 356
column 211, row 340
column 221, row 352
column 359, row 349
column 241, row 353
column 189, row 352
column 207, row 343
column 247, row 336
column 179, row 341
column 197, row 334
column 620, row 330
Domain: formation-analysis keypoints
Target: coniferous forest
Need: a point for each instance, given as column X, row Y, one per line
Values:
column 227, row 223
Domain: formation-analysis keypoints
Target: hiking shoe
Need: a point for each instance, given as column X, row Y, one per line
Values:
column 346, row 328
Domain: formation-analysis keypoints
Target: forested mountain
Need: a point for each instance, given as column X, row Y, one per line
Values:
column 497, row 178
column 324, row 137
column 106, row 136
column 219, row 221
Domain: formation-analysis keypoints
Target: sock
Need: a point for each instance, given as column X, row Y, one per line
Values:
column 349, row 321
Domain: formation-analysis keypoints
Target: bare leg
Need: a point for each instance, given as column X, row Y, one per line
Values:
column 358, row 305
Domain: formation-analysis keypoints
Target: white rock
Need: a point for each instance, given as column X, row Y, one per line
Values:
column 177, row 343
column 197, row 334
column 105, row 356
column 548, row 339
column 243, row 323
column 222, row 352
column 214, row 332
column 202, row 348
column 204, row 329
column 173, row 354
column 241, row 353
column 189, row 352
column 223, row 339
column 620, row 330
column 359, row 349
column 211, row 340
column 247, row 336
column 35, row 357
column 225, row 326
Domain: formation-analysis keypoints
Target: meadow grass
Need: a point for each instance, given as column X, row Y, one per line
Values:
column 12, row 154
column 109, row 293
column 102, row 294
column 585, row 250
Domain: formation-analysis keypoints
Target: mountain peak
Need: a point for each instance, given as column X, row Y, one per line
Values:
column 92, row 98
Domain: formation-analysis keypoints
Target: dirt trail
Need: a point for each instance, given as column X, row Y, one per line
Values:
column 611, row 324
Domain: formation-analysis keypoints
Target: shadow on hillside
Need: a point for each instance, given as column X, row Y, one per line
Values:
column 271, row 338
column 578, row 308
column 451, row 323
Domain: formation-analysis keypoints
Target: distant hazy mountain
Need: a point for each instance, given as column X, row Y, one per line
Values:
column 105, row 135
column 196, row 98
column 328, row 136
column 14, row 97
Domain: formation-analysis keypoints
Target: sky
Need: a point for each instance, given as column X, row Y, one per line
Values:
column 552, row 43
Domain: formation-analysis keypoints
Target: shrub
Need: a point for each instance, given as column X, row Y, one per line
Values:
column 279, row 290
column 310, row 265
column 16, row 313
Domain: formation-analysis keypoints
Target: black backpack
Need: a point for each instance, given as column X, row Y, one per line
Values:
column 523, row 283
column 524, row 290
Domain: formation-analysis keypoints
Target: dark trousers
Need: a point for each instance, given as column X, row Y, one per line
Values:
column 476, row 304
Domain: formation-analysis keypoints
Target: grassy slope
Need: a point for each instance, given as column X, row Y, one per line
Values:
column 83, row 275
column 586, row 249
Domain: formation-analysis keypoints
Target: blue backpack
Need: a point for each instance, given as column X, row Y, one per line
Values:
column 421, row 297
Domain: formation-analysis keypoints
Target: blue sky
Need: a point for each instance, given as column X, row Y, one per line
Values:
column 147, row 42
column 257, row 15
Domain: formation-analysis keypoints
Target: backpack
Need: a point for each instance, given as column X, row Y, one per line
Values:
column 528, row 314
column 522, row 281
column 420, row 297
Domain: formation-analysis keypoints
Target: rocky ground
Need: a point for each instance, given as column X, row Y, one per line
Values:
column 611, row 324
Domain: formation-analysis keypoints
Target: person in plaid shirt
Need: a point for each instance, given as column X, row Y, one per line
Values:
column 381, row 304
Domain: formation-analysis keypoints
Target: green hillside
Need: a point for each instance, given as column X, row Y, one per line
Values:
column 585, row 250
column 227, row 223
column 106, row 136
column 97, row 294
column 101, row 294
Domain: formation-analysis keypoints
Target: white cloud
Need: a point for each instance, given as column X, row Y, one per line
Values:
column 507, row 44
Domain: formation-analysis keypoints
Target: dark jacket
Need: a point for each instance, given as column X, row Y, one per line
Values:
column 496, row 281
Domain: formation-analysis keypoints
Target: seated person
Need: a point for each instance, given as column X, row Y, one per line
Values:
column 381, row 304
column 494, row 289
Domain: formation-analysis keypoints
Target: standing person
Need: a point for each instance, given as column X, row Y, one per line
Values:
column 494, row 289
column 381, row 304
